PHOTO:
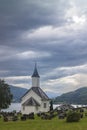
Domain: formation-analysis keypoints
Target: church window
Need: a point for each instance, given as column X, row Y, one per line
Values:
column 23, row 108
column 37, row 108
column 45, row 105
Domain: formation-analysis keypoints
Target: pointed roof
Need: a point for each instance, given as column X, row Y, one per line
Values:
column 31, row 102
column 35, row 73
column 39, row 92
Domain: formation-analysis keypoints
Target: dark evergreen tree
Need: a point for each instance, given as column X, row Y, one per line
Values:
column 51, row 105
column 5, row 95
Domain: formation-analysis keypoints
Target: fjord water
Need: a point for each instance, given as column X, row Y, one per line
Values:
column 17, row 107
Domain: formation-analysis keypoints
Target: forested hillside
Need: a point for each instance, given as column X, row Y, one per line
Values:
column 78, row 96
column 17, row 93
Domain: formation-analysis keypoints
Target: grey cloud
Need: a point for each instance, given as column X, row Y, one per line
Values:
column 18, row 17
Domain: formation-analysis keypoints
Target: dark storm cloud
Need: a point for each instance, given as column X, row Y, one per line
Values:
column 19, row 15
column 66, row 51
column 50, row 32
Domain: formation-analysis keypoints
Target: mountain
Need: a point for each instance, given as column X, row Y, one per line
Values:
column 17, row 93
column 78, row 96
column 51, row 94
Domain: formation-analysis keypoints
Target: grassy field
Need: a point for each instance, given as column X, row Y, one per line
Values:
column 39, row 124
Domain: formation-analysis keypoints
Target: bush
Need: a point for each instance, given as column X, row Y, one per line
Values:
column 73, row 117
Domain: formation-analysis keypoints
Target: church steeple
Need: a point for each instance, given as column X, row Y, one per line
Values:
column 35, row 73
column 35, row 77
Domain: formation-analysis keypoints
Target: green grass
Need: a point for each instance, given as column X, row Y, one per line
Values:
column 39, row 124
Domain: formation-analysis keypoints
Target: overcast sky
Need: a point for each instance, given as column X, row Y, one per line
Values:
column 52, row 33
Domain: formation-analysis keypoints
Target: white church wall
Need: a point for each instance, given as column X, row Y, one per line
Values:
column 35, row 109
column 45, row 106
column 31, row 94
column 27, row 109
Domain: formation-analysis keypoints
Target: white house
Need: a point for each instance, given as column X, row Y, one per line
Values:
column 35, row 100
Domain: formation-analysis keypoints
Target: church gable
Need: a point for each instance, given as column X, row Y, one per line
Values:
column 30, row 93
column 38, row 91
column 31, row 102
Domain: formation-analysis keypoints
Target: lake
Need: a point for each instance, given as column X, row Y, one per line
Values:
column 17, row 107
column 12, row 107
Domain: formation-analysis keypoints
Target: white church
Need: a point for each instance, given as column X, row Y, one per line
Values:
column 35, row 100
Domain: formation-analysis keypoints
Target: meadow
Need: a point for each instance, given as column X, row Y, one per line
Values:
column 39, row 124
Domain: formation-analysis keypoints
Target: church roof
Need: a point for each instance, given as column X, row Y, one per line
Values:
column 35, row 73
column 31, row 102
column 39, row 92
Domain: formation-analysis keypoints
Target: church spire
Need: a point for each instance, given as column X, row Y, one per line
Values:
column 35, row 77
column 35, row 73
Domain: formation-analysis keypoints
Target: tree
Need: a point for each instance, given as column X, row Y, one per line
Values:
column 5, row 95
column 51, row 105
